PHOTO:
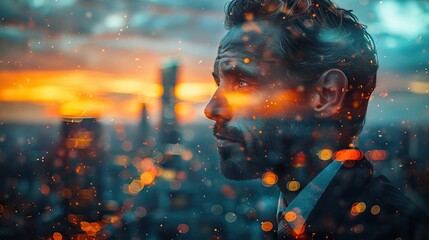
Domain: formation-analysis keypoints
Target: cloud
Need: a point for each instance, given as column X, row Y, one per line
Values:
column 13, row 39
column 400, row 30
column 408, row 19
column 12, row 12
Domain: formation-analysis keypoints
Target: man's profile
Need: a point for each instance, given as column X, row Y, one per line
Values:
column 294, row 79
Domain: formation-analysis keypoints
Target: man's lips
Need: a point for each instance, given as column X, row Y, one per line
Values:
column 227, row 136
column 224, row 137
column 226, row 140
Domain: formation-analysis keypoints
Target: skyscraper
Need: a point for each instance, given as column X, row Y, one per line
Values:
column 169, row 139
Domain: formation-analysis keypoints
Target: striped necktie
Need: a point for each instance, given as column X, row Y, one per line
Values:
column 291, row 219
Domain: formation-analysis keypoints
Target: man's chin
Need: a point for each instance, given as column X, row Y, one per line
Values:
column 237, row 169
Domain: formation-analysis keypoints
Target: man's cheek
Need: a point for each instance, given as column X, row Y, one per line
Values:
column 243, row 101
column 268, row 104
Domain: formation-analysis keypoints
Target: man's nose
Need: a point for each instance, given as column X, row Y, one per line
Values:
column 218, row 108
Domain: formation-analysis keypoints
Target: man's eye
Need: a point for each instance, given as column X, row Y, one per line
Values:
column 243, row 84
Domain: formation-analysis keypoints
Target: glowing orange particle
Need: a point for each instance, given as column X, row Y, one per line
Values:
column 293, row 186
column 376, row 155
column 298, row 232
column 375, row 210
column 187, row 155
column 90, row 228
column 182, row 228
column 96, row 226
column 358, row 228
column 147, row 177
column 299, row 160
column 358, row 208
column 248, row 16
column 135, row 186
column 269, row 179
column 127, row 146
column 290, row 216
column 57, row 236
column 246, row 60
column 66, row 193
column 356, row 104
column 44, row 189
column 84, row 226
column 266, row 226
column 72, row 218
column 147, row 163
column 325, row 154
column 348, row 154
column 110, row 219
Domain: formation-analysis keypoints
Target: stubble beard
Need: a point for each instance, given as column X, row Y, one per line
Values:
column 266, row 146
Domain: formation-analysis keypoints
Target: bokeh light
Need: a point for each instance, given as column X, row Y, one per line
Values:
column 293, row 186
column 269, row 179
column 266, row 226
column 325, row 154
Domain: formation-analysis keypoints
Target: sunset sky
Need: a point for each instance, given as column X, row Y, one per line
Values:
column 103, row 58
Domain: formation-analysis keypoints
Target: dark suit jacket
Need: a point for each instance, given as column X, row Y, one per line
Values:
column 357, row 205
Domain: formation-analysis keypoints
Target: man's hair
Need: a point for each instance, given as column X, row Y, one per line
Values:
column 317, row 36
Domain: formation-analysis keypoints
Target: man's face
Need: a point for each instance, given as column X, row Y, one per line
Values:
column 260, row 109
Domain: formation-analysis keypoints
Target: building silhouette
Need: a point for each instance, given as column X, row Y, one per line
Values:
column 76, row 181
column 169, row 137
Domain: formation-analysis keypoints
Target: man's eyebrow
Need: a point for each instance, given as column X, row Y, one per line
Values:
column 239, row 69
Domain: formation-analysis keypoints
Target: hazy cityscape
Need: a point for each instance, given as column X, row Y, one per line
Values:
column 84, row 179
column 102, row 131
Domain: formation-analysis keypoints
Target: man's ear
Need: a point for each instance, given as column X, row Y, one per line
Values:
column 330, row 93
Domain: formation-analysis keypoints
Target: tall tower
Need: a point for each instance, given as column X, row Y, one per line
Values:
column 169, row 134
column 143, row 139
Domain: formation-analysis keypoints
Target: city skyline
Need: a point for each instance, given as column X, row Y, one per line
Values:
column 95, row 59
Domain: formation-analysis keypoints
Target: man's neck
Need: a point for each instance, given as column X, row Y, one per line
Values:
column 297, row 176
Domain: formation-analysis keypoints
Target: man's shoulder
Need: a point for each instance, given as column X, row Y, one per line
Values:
column 382, row 211
column 379, row 190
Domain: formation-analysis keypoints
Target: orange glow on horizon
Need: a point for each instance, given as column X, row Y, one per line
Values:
column 185, row 111
column 199, row 92
column 82, row 108
column 80, row 93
